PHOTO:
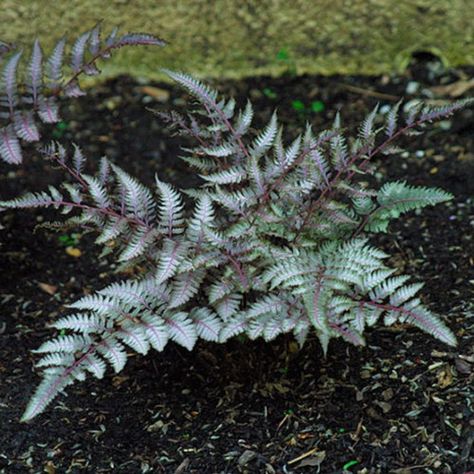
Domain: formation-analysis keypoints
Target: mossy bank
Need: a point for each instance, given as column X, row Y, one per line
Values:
column 225, row 38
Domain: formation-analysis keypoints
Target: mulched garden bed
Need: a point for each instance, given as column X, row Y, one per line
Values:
column 401, row 405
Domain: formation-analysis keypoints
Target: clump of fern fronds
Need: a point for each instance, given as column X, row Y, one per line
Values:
column 30, row 99
column 277, row 241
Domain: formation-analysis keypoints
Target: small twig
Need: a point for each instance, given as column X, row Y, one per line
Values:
column 369, row 92
column 303, row 456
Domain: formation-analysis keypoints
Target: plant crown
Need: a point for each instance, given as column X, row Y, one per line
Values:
column 275, row 239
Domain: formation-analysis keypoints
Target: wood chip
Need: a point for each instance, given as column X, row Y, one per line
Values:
column 456, row 89
column 47, row 288
column 161, row 95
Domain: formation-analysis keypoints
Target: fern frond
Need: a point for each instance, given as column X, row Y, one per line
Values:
column 30, row 200
column 235, row 326
column 185, row 286
column 220, row 151
column 137, row 292
column 366, row 131
column 137, row 198
column 265, row 140
column 231, row 176
column 228, row 306
column 9, row 82
column 78, row 50
column 68, row 344
column 155, row 331
column 220, row 289
column 83, row 323
column 171, row 255
column 25, row 127
column 10, row 149
column 138, row 39
column 202, row 218
column 114, row 227
column 208, row 325
column 55, row 64
column 44, row 85
column 430, row 114
column 98, row 192
column 140, row 241
column 133, row 335
column 399, row 197
column 114, row 352
column 181, row 329
column 35, row 72
column 171, row 209
column 196, row 88
column 245, row 120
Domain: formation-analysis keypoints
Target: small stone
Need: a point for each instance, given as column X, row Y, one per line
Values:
column 246, row 457
column 365, row 374
column 387, row 394
column 412, row 87
column 463, row 366
column 445, row 124
column 386, row 407
column 73, row 252
column 157, row 426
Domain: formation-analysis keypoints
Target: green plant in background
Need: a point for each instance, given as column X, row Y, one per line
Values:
column 349, row 464
column 298, row 105
column 284, row 57
column 276, row 240
column 59, row 130
column 69, row 240
column 269, row 93
column 316, row 107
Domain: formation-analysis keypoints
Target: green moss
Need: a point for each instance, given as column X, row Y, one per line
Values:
column 227, row 38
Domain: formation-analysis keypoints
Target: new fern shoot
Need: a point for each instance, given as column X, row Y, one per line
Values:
column 276, row 239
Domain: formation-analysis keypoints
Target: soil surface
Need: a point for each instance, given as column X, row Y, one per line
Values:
column 402, row 405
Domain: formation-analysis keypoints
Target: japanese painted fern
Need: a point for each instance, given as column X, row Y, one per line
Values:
column 276, row 241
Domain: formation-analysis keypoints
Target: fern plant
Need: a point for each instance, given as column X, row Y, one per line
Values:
column 27, row 102
column 275, row 240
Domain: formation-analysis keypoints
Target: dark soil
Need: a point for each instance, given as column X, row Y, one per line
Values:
column 401, row 405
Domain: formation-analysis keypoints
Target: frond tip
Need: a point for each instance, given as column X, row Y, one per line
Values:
column 32, row 97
